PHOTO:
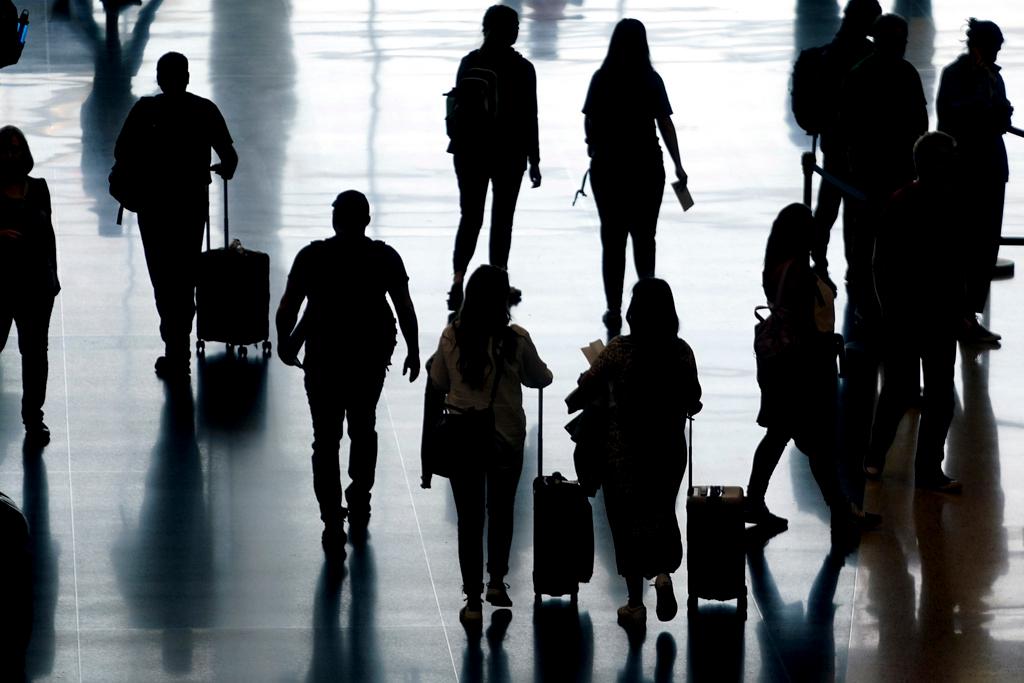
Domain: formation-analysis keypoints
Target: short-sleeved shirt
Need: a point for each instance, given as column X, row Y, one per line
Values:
column 169, row 138
column 28, row 264
column 345, row 283
column 622, row 113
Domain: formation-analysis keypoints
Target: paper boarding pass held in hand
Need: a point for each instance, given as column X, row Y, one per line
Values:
column 592, row 350
column 683, row 195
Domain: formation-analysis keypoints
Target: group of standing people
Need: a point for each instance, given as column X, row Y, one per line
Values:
column 904, row 246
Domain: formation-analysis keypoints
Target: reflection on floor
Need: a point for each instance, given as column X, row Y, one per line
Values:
column 175, row 535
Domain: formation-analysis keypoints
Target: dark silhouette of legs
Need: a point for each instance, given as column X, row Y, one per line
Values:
column 362, row 460
column 766, row 458
column 473, row 178
column 468, row 491
column 505, row 177
column 938, row 358
column 899, row 390
column 502, row 482
column 506, row 180
column 987, row 200
column 327, row 408
column 32, row 319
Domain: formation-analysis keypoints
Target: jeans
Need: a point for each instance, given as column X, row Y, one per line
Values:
column 491, row 487
column 32, row 318
column 335, row 396
column 505, row 176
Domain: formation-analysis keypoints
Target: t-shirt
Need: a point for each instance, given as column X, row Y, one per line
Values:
column 345, row 282
column 28, row 264
column 622, row 113
column 169, row 138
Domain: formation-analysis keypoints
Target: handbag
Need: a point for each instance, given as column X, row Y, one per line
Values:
column 462, row 434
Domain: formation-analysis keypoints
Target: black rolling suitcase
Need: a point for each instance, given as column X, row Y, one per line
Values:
column 233, row 295
column 15, row 590
column 563, row 529
column 715, row 554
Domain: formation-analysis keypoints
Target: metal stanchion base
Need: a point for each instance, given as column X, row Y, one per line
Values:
column 1003, row 269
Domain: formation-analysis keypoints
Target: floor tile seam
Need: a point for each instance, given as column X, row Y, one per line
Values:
column 419, row 531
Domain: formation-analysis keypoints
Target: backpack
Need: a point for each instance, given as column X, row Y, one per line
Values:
column 13, row 32
column 472, row 107
column 809, row 91
column 129, row 175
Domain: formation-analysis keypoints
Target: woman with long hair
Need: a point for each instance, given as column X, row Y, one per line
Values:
column 799, row 384
column 28, row 273
column 625, row 101
column 652, row 376
column 482, row 363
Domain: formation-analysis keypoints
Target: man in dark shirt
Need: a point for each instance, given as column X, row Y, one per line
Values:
column 920, row 288
column 495, row 151
column 349, row 333
column 882, row 114
column 973, row 108
column 167, row 139
column 849, row 46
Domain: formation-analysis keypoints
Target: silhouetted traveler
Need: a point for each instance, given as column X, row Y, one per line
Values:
column 482, row 361
column 883, row 113
column 492, row 124
column 799, row 384
column 652, row 375
column 625, row 102
column 349, row 333
column 920, row 283
column 165, row 144
column 973, row 108
column 849, row 46
column 28, row 273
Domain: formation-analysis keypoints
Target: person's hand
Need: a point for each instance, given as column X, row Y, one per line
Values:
column 12, row 235
column 412, row 366
column 681, row 175
column 535, row 175
column 222, row 171
column 288, row 353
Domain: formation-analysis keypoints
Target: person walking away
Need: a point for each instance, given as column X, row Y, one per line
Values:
column 349, row 334
column 624, row 104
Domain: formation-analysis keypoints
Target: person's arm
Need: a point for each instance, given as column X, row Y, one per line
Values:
column 406, row 314
column 692, row 383
column 532, row 134
column 222, row 145
column 668, row 134
column 533, row 372
column 287, row 316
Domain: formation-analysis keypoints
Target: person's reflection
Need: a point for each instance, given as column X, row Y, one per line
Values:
column 665, row 653
column 115, row 63
column 165, row 563
column 542, row 29
column 497, row 670
column 563, row 642
column 45, row 576
column 359, row 658
column 799, row 638
column 231, row 395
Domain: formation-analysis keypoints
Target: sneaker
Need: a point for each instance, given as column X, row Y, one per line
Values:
column 612, row 322
column 667, row 605
column 167, row 369
column 497, row 594
column 940, row 483
column 455, row 295
column 333, row 542
column 632, row 617
column 756, row 512
column 472, row 614
column 37, row 434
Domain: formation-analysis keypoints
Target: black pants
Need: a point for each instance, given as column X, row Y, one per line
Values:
column 505, row 176
column 490, row 488
column 826, row 211
column 32, row 319
column 172, row 237
column 982, row 248
column 902, row 357
column 628, row 198
column 335, row 396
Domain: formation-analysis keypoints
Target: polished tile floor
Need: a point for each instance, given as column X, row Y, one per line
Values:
column 180, row 541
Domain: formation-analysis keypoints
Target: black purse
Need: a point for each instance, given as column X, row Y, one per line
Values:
column 463, row 435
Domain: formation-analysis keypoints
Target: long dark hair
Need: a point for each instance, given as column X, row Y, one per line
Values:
column 628, row 52
column 791, row 237
column 481, row 322
column 652, row 313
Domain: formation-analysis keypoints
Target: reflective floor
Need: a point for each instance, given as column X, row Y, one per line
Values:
column 180, row 540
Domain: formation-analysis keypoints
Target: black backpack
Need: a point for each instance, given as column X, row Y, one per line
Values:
column 472, row 107
column 811, row 92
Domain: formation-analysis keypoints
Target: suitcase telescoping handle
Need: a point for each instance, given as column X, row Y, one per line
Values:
column 540, row 432
column 226, row 239
column 689, row 457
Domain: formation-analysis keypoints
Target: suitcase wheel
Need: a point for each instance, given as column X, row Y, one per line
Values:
column 267, row 346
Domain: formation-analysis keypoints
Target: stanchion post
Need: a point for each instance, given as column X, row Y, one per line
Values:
column 807, row 162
